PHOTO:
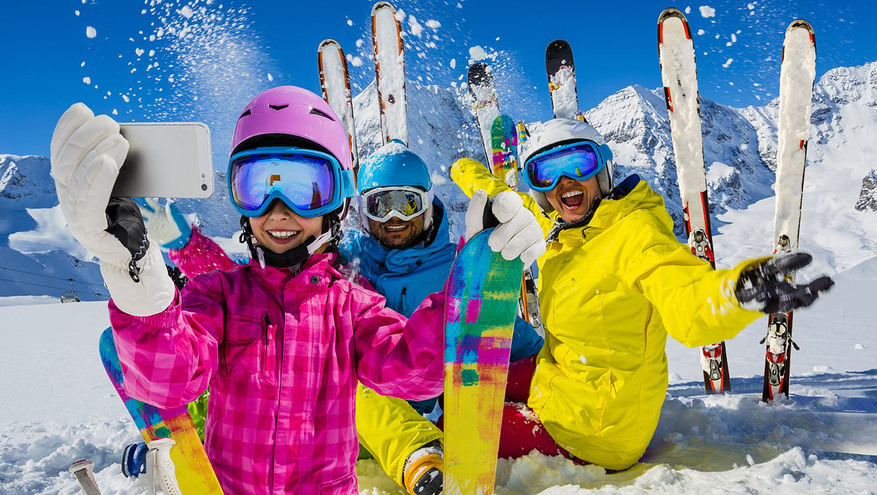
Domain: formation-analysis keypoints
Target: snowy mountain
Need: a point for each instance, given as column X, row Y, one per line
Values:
column 839, row 222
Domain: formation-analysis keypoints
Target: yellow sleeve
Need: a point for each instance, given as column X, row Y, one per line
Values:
column 471, row 176
column 697, row 304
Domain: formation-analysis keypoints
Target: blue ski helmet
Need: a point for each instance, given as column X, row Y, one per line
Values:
column 393, row 164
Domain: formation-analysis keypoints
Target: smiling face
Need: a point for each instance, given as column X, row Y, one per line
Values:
column 281, row 229
column 397, row 234
column 573, row 198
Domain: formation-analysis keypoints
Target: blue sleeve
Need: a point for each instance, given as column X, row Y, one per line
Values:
column 525, row 340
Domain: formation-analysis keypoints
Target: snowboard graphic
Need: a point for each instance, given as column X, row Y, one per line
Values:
column 480, row 313
column 194, row 473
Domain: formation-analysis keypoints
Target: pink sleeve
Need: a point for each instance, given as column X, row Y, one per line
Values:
column 398, row 357
column 169, row 358
column 201, row 255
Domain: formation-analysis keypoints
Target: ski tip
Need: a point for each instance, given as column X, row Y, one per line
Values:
column 383, row 5
column 478, row 66
column 81, row 464
column 479, row 73
column 671, row 13
column 327, row 43
column 668, row 14
column 800, row 24
column 557, row 45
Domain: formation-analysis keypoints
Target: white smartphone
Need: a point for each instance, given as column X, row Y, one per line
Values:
column 166, row 160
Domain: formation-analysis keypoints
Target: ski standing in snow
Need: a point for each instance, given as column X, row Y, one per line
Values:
column 679, row 74
column 797, row 74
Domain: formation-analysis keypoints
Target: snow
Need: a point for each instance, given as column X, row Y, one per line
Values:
column 822, row 440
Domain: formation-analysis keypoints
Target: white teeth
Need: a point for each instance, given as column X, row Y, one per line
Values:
column 284, row 234
column 394, row 228
column 571, row 194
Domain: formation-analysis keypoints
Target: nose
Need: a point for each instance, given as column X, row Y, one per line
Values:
column 279, row 209
column 564, row 180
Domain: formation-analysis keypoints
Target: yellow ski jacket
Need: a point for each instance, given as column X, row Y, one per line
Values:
column 610, row 293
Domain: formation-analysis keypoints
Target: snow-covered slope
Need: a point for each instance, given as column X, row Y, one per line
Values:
column 824, row 440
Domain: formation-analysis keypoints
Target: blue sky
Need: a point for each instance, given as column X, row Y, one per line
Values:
column 135, row 63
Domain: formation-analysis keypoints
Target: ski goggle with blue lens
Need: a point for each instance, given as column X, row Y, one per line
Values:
column 310, row 182
column 383, row 203
column 580, row 161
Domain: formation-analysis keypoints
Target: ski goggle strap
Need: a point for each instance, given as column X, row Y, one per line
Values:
column 580, row 161
column 310, row 182
column 383, row 203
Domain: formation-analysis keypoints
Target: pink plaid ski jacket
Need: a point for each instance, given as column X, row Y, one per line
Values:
column 282, row 354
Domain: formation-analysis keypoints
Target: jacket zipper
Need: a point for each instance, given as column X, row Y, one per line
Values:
column 263, row 361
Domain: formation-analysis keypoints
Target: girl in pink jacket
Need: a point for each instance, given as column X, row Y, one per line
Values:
column 282, row 341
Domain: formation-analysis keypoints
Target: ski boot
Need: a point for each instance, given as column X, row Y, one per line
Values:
column 134, row 459
column 423, row 474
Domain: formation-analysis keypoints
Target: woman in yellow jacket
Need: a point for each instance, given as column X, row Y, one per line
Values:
column 613, row 284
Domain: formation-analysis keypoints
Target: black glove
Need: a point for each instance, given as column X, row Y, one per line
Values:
column 764, row 287
column 125, row 223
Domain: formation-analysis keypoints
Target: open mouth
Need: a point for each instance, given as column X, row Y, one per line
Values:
column 572, row 199
column 395, row 228
column 283, row 234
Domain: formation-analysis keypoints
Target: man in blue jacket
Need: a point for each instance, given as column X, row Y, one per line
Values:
column 405, row 252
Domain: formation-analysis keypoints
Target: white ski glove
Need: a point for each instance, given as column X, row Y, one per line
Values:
column 86, row 155
column 166, row 224
column 518, row 233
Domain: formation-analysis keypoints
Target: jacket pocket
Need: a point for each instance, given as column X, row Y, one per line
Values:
column 344, row 486
column 241, row 346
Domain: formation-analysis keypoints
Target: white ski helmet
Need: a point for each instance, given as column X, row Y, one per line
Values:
column 559, row 132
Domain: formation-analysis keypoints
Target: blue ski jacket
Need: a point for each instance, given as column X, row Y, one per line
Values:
column 407, row 276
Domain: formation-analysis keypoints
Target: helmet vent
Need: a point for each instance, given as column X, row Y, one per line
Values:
column 314, row 111
column 246, row 112
column 278, row 107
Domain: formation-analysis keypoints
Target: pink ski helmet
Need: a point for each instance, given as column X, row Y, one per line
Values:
column 293, row 111
column 288, row 114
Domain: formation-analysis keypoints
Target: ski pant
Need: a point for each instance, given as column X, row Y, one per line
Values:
column 522, row 432
column 391, row 430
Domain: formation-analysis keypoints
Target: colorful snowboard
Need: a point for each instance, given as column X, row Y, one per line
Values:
column 479, row 319
column 504, row 148
column 194, row 473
